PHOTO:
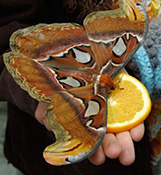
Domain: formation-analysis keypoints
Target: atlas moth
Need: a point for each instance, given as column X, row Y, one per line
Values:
column 70, row 67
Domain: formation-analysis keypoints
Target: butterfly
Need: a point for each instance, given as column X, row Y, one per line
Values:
column 71, row 67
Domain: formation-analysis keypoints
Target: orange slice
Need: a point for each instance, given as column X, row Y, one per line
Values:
column 129, row 104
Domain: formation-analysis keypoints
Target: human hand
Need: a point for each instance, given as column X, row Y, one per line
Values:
column 118, row 145
column 40, row 114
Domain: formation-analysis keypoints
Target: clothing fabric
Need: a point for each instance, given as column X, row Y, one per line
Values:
column 146, row 66
column 25, row 138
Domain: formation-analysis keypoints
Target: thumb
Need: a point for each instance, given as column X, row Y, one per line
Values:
column 40, row 114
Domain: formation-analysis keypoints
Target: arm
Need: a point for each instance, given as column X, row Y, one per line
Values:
column 9, row 90
column 20, row 14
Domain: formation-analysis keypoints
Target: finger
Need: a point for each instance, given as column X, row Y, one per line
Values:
column 46, row 125
column 98, row 157
column 111, row 146
column 124, row 70
column 40, row 111
column 137, row 133
column 127, row 155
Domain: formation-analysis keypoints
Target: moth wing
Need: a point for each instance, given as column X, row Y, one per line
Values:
column 77, row 115
column 49, row 58
column 62, row 45
column 78, row 118
column 31, row 76
column 115, row 35
column 41, row 81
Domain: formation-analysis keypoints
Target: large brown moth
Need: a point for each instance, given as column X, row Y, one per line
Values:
column 70, row 67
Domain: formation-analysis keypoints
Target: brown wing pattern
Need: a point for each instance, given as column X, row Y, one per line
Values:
column 77, row 119
column 69, row 67
column 116, row 34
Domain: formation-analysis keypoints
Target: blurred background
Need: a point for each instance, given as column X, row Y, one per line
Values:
column 5, row 168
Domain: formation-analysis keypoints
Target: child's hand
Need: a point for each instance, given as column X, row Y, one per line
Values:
column 113, row 146
column 119, row 146
column 40, row 114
